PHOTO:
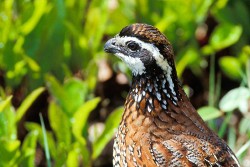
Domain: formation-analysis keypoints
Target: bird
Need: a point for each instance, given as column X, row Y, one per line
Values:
column 159, row 126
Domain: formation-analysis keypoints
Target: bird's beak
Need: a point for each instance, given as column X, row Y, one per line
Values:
column 110, row 46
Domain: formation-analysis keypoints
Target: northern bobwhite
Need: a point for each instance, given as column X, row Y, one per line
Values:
column 159, row 126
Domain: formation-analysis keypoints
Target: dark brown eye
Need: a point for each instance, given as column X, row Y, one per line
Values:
column 133, row 46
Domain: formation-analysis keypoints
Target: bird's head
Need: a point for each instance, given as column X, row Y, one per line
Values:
column 143, row 48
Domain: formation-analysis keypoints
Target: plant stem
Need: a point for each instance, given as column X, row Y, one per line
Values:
column 46, row 147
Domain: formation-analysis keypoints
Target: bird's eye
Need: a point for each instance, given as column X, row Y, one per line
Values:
column 133, row 46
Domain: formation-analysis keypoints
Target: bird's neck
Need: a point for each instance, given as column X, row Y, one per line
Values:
column 161, row 95
column 155, row 91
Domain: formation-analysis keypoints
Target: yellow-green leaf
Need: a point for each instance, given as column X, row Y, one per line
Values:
column 27, row 103
column 208, row 113
column 111, row 125
column 225, row 35
column 5, row 103
column 231, row 67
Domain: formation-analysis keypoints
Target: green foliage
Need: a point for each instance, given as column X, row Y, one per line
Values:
column 46, row 148
column 12, row 152
column 29, row 149
column 107, row 134
column 235, row 99
column 224, row 35
column 27, row 103
column 48, row 43
column 231, row 67
column 209, row 113
column 70, row 125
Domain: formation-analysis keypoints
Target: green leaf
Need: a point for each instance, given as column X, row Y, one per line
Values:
column 209, row 113
column 80, row 118
column 60, row 124
column 221, row 3
column 16, row 73
column 93, row 33
column 70, row 96
column 9, row 152
column 73, row 156
column 231, row 67
column 5, row 103
column 85, row 156
column 207, row 50
column 36, row 127
column 189, row 56
column 248, row 72
column 76, row 91
column 111, row 125
column 29, row 149
column 27, row 103
column 40, row 8
column 225, row 35
column 235, row 98
column 57, row 91
column 31, row 63
column 7, row 120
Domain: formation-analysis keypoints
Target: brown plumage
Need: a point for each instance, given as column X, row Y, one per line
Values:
column 160, row 127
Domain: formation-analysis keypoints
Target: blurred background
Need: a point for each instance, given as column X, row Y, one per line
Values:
column 61, row 96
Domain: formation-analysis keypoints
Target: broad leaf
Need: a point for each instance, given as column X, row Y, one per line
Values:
column 9, row 152
column 60, row 124
column 80, row 118
column 225, row 35
column 73, row 156
column 59, row 94
column 209, row 113
column 231, row 67
column 69, row 96
column 235, row 98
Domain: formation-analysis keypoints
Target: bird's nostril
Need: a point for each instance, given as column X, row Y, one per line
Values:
column 110, row 46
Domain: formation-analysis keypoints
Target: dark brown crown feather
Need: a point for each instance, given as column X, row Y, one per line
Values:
column 146, row 33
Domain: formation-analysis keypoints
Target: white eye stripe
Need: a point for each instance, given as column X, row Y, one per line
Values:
column 124, row 40
column 151, row 48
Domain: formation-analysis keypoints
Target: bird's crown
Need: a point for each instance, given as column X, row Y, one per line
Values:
column 144, row 32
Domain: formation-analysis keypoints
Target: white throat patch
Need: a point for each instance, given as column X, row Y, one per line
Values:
column 135, row 64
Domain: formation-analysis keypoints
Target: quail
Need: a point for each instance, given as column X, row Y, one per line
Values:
column 159, row 126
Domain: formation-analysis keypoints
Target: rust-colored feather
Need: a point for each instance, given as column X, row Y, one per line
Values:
column 160, row 127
